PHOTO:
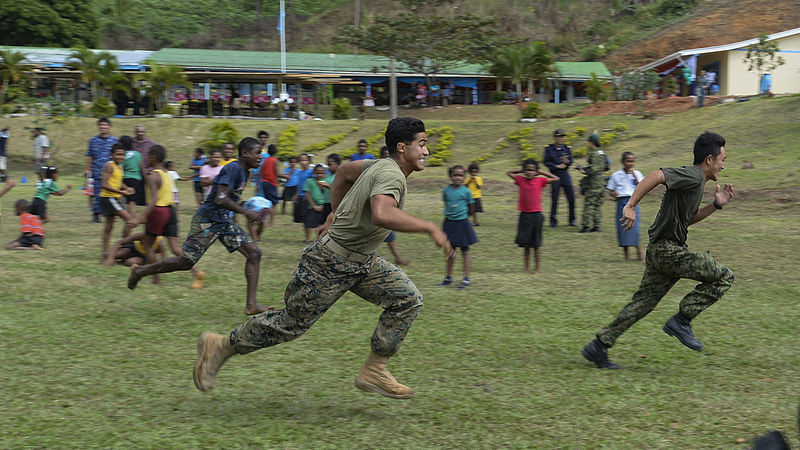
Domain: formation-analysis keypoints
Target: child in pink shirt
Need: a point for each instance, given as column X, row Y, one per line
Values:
column 529, row 228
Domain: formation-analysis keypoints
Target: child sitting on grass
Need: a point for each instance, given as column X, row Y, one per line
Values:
column 531, row 220
column 31, row 227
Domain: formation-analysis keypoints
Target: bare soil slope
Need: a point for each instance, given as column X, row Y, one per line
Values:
column 718, row 22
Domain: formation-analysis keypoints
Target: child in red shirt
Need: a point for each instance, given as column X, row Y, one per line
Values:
column 31, row 227
column 529, row 228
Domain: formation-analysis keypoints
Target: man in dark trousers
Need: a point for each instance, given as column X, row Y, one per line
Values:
column 668, row 258
column 558, row 158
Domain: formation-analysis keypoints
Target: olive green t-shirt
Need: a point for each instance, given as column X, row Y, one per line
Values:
column 680, row 202
column 352, row 226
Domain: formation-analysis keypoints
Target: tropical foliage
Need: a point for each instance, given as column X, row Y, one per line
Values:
column 11, row 69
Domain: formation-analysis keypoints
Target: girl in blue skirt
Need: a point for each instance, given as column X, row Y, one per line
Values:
column 458, row 205
column 621, row 186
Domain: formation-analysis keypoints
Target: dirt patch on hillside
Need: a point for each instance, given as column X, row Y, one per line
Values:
column 716, row 23
column 660, row 106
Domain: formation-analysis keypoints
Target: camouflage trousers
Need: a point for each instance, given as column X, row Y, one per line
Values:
column 321, row 278
column 665, row 264
column 591, row 208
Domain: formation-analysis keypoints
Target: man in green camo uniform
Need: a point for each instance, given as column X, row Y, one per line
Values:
column 668, row 258
column 593, row 184
column 367, row 197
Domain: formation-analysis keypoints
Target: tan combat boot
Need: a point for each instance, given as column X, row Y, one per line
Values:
column 212, row 352
column 375, row 377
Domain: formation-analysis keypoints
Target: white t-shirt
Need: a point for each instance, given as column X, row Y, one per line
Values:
column 39, row 144
column 624, row 183
column 175, row 177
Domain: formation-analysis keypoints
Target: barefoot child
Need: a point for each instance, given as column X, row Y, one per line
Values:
column 31, row 227
column 48, row 186
column 113, row 189
column 458, row 203
column 313, row 217
column 160, row 215
column 213, row 221
column 529, row 228
column 475, row 184
column 129, row 251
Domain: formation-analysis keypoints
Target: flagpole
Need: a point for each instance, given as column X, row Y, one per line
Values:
column 282, row 29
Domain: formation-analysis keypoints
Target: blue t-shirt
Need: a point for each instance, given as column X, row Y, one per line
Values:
column 456, row 202
column 292, row 180
column 198, row 162
column 357, row 156
column 233, row 176
column 100, row 152
column 302, row 176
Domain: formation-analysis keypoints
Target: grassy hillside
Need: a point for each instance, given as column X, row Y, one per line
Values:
column 87, row 363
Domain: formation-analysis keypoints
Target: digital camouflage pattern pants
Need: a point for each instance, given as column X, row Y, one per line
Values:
column 321, row 278
column 591, row 208
column 665, row 264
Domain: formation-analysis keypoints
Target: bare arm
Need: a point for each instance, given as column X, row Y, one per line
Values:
column 107, row 170
column 386, row 214
column 63, row 191
column 512, row 173
column 223, row 200
column 721, row 197
column 647, row 184
column 346, row 176
column 88, row 169
column 550, row 177
column 205, row 181
column 153, row 184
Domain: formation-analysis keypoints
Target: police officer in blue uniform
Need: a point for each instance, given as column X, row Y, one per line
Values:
column 558, row 158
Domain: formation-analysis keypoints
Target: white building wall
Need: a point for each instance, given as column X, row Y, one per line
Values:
column 785, row 79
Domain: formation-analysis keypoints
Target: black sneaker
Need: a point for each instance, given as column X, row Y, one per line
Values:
column 597, row 353
column 464, row 284
column 678, row 326
column 446, row 282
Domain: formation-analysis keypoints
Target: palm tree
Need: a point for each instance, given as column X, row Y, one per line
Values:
column 160, row 79
column 541, row 64
column 112, row 80
column 90, row 63
column 11, row 68
column 511, row 62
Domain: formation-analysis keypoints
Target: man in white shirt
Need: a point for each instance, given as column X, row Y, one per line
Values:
column 41, row 149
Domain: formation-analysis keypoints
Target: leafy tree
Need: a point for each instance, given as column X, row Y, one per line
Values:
column 110, row 77
column 763, row 57
column 91, row 64
column 428, row 43
column 596, row 89
column 633, row 85
column 160, row 79
column 11, row 69
column 524, row 62
column 542, row 63
column 53, row 23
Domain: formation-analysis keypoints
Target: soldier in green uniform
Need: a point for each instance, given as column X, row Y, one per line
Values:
column 367, row 197
column 593, row 184
column 668, row 258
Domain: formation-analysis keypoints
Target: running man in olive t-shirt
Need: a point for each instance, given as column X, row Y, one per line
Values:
column 367, row 197
column 668, row 258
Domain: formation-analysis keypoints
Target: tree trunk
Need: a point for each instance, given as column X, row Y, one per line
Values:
column 93, row 85
column 519, row 90
column 499, row 84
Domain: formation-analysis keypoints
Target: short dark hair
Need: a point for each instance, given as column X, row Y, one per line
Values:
column 306, row 155
column 234, row 145
column 247, row 144
column 473, row 166
column 200, row 151
column 263, row 133
column 272, row 149
column 530, row 161
column 159, row 152
column 362, row 141
column 39, row 129
column 402, row 129
column 215, row 150
column 117, row 146
column 50, row 171
column 103, row 120
column 452, row 168
column 168, row 164
column 707, row 144
column 625, row 155
column 126, row 141
column 335, row 158
column 21, row 204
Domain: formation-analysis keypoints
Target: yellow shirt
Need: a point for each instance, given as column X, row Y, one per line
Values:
column 474, row 184
column 164, row 194
column 226, row 161
column 115, row 181
column 140, row 248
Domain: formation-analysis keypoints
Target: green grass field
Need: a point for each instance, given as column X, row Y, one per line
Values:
column 84, row 362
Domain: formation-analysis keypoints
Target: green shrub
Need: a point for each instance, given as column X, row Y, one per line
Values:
column 532, row 110
column 103, row 107
column 287, row 142
column 440, row 149
column 497, row 97
column 580, row 131
column 371, row 144
column 341, row 109
column 221, row 132
column 620, row 127
column 7, row 108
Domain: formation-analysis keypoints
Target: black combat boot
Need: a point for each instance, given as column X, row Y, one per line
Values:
column 678, row 326
column 597, row 352
column 594, row 230
column 584, row 230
